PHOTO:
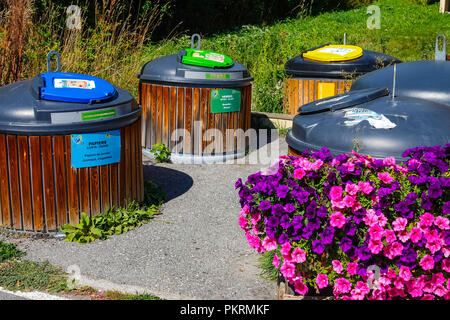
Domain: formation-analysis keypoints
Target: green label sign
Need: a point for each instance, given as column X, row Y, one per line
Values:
column 98, row 114
column 225, row 100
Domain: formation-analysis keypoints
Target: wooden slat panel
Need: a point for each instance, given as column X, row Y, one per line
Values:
column 25, row 183
column 114, row 185
column 72, row 184
column 248, row 106
column 36, row 183
column 172, row 115
column 294, row 96
column 165, row 112
column 14, row 182
column 60, row 180
column 4, row 183
column 122, row 173
column 143, row 101
column 127, row 164
column 153, row 106
column 311, row 87
column 140, row 173
column 133, row 166
column 159, row 114
column 104, row 188
column 195, row 134
column 49, row 184
column 84, row 190
column 180, row 116
column 188, row 122
column 94, row 180
column 211, row 121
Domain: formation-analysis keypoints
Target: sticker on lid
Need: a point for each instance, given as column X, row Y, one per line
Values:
column 337, row 50
column 378, row 121
column 74, row 84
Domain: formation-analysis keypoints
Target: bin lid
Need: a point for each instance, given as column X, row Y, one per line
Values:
column 75, row 87
column 206, row 58
column 337, row 61
column 381, row 124
column 428, row 80
column 333, row 52
column 173, row 70
column 49, row 104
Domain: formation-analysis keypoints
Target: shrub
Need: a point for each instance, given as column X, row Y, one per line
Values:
column 332, row 223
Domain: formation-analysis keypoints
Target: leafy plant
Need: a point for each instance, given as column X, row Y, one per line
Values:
column 9, row 251
column 161, row 152
column 117, row 220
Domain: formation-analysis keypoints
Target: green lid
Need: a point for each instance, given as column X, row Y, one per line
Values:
column 204, row 58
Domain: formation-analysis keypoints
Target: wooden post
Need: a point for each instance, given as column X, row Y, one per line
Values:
column 444, row 6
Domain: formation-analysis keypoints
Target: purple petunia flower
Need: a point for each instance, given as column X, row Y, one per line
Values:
column 283, row 238
column 278, row 210
column 434, row 191
column 289, row 207
column 318, row 247
column 346, row 244
column 282, row 191
column 272, row 222
column 426, row 203
column 446, row 208
column 265, row 205
column 285, row 221
column 322, row 212
column 300, row 196
column 238, row 184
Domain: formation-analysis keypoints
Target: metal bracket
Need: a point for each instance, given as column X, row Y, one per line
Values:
column 194, row 36
column 441, row 55
column 58, row 61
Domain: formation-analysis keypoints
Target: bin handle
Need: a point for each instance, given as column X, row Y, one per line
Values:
column 58, row 61
column 345, row 38
column 193, row 37
column 441, row 55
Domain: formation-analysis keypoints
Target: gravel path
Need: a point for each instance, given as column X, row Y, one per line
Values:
column 194, row 250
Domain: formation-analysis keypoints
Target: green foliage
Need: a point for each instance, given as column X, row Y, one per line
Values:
column 268, row 270
column 160, row 152
column 9, row 251
column 116, row 220
column 29, row 276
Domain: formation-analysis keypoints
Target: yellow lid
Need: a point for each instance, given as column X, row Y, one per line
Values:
column 334, row 52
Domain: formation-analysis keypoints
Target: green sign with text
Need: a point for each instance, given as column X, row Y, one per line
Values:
column 225, row 100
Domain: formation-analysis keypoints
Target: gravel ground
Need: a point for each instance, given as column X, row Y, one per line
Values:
column 193, row 250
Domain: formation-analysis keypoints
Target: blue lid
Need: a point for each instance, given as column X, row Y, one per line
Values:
column 75, row 87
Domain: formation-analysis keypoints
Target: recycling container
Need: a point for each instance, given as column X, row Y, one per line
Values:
column 196, row 102
column 69, row 143
column 385, row 112
column 326, row 71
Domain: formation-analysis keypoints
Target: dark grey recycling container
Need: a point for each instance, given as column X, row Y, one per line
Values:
column 310, row 80
column 185, row 107
column 384, row 115
column 69, row 143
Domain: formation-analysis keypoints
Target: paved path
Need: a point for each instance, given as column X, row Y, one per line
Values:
column 194, row 250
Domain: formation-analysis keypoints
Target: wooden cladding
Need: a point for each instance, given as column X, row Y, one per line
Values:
column 166, row 110
column 40, row 191
column 300, row 91
column 293, row 152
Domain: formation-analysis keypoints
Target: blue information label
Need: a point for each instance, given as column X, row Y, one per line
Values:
column 95, row 149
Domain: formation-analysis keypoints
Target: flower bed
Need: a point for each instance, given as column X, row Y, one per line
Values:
column 354, row 226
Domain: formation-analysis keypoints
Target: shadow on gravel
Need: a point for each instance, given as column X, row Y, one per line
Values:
column 175, row 183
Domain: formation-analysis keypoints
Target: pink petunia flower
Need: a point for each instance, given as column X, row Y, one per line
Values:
column 287, row 270
column 351, row 268
column 385, row 177
column 255, row 218
column 342, row 285
column 427, row 262
column 426, row 220
column 446, row 266
column 337, row 220
column 269, row 244
column 403, row 236
column 390, row 161
column 404, row 273
column 253, row 240
column 286, row 249
column 337, row 266
column 389, row 236
column 243, row 222
column 365, row 187
column 375, row 246
column 351, row 188
column 370, row 218
column 376, row 232
column 276, row 261
column 415, row 235
column 300, row 287
column 336, row 193
column 298, row 255
column 399, row 224
column 349, row 201
column 442, row 223
column 299, row 173
column 317, row 165
column 322, row 280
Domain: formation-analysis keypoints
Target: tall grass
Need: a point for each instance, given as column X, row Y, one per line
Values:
column 110, row 49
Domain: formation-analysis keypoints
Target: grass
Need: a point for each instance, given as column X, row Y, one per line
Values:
column 9, row 251
column 408, row 32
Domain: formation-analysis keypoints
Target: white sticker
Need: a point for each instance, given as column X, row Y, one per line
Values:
column 74, row 83
column 215, row 57
column 378, row 121
column 336, row 50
